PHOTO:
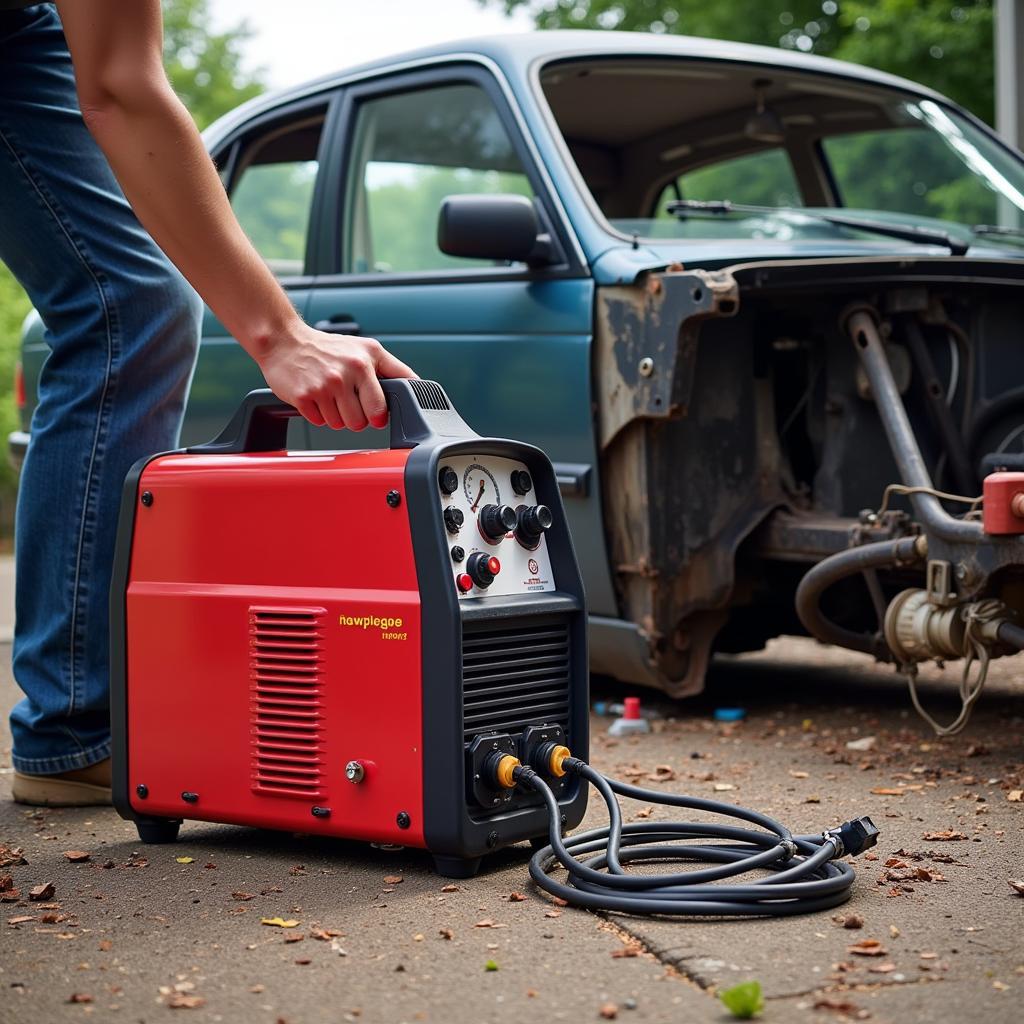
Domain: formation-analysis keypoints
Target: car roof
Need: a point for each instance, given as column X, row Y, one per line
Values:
column 518, row 51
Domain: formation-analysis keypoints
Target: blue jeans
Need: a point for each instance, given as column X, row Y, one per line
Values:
column 122, row 327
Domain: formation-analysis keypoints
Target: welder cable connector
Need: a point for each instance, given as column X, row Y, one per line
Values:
column 504, row 770
column 799, row 874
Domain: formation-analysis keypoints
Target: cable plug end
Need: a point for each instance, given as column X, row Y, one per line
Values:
column 855, row 836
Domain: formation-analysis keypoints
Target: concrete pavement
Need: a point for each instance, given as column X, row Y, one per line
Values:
column 134, row 930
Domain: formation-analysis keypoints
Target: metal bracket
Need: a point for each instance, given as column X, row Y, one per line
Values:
column 939, row 583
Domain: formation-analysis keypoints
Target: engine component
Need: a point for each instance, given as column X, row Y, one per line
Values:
column 1004, row 503
column 917, row 630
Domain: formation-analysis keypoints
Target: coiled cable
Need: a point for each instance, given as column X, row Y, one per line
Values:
column 804, row 875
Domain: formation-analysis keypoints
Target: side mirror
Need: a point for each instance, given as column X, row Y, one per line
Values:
column 493, row 227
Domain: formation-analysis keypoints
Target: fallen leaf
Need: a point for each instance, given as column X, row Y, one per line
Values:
column 662, row 773
column 294, row 938
column 446, row 933
column 609, row 1011
column 303, row 961
column 745, row 1000
column 886, row 968
column 1017, row 885
column 1015, row 796
column 798, row 775
column 867, row 947
column 242, row 895
column 487, row 923
column 10, row 895
column 105, row 945
column 1000, row 986
column 451, row 887
column 42, row 892
column 852, row 921
column 490, row 966
column 185, row 860
column 183, row 1001
column 815, row 799
column 10, row 855
column 864, row 743
column 324, row 934
column 278, row 922
column 392, row 879
column 947, row 836
column 20, row 919
column 77, row 856
column 6, row 883
column 723, row 787
column 625, row 952
column 552, row 913
column 516, row 897
column 80, row 997
column 884, row 791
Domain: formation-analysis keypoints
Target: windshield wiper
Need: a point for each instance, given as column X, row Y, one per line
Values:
column 682, row 208
column 1013, row 235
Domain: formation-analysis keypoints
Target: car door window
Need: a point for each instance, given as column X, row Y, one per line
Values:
column 410, row 151
column 273, row 191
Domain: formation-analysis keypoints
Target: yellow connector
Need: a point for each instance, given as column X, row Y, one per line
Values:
column 503, row 771
column 556, row 761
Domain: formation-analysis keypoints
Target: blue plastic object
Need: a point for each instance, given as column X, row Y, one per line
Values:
column 730, row 714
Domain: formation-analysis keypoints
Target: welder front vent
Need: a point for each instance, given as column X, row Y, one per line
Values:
column 430, row 395
column 286, row 670
column 515, row 676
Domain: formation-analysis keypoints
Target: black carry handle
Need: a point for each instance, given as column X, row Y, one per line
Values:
column 418, row 411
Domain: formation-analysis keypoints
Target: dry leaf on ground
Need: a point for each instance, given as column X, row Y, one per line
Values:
column 279, row 922
column 948, row 835
column 77, row 856
column 392, row 879
column 867, row 947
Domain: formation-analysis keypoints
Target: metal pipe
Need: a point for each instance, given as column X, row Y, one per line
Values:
column 879, row 555
column 1011, row 634
column 863, row 331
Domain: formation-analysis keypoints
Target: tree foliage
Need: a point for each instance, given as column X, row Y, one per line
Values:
column 942, row 44
column 206, row 70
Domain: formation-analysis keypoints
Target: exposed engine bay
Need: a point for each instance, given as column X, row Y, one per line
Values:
column 828, row 447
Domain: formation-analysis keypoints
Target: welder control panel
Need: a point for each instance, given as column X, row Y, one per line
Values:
column 494, row 526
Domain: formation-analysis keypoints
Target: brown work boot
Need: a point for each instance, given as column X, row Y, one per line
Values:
column 83, row 787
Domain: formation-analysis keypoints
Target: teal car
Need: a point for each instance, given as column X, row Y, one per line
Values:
column 654, row 257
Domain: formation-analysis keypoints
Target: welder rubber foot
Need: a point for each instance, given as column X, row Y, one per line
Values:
column 158, row 830
column 457, row 867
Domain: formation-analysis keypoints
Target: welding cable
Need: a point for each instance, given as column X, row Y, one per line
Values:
column 877, row 555
column 804, row 874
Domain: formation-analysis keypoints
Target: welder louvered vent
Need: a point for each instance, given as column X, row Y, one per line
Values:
column 514, row 676
column 430, row 395
column 286, row 669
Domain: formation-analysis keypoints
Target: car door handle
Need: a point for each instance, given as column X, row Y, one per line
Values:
column 340, row 323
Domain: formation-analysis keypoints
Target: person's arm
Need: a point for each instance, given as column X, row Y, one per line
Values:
column 158, row 157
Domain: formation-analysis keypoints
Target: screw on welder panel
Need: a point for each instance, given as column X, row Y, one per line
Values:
column 492, row 840
column 320, row 812
column 142, row 791
column 403, row 819
column 394, row 499
column 355, row 772
column 646, row 366
column 147, row 498
column 563, row 819
column 190, row 798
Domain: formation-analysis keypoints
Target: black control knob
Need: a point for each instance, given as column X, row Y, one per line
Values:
column 453, row 519
column 497, row 520
column 521, row 482
column 531, row 522
column 447, row 480
column 482, row 568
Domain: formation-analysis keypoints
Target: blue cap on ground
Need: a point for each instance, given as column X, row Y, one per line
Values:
column 730, row 714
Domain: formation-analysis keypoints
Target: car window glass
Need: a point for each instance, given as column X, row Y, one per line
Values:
column 273, row 193
column 764, row 178
column 410, row 151
column 923, row 176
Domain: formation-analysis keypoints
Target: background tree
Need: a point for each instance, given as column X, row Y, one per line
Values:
column 942, row 44
column 205, row 68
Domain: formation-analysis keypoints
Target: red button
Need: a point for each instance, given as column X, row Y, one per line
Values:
column 464, row 582
column 493, row 566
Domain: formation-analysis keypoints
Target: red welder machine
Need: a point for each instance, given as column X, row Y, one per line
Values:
column 348, row 643
column 391, row 646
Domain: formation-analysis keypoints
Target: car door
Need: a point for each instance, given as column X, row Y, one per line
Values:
column 270, row 168
column 510, row 344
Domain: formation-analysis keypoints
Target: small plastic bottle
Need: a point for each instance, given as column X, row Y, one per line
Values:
column 631, row 721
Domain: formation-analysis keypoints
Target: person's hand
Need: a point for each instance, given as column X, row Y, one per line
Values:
column 332, row 378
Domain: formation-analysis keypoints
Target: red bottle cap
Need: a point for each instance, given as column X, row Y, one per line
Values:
column 493, row 566
column 464, row 582
column 631, row 709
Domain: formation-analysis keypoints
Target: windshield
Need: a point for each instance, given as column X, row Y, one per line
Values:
column 788, row 142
